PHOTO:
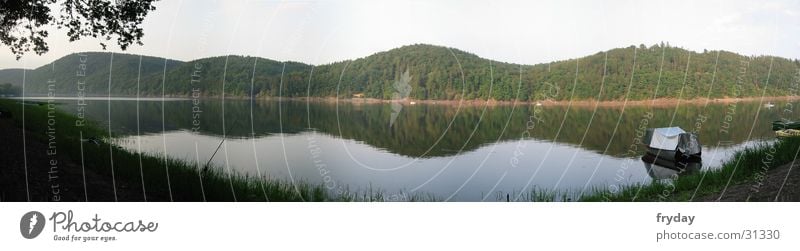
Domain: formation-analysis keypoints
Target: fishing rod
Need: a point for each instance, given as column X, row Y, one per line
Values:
column 215, row 152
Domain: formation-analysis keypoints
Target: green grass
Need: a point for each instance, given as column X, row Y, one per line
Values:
column 744, row 167
column 189, row 182
column 166, row 179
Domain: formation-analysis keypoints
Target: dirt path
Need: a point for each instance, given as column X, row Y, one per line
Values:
column 768, row 189
column 63, row 183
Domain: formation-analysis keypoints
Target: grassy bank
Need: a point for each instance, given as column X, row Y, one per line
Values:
column 142, row 177
column 747, row 166
column 156, row 178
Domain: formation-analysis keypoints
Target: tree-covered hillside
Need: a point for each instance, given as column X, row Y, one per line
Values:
column 11, row 76
column 90, row 70
column 238, row 73
column 635, row 73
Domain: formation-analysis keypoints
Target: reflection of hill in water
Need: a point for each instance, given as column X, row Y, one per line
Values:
column 442, row 129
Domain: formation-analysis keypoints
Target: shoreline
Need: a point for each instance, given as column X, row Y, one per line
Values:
column 659, row 102
column 83, row 173
column 742, row 178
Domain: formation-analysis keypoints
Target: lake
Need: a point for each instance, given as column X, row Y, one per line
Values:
column 455, row 153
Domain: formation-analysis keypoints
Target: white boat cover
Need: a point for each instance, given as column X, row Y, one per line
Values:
column 666, row 138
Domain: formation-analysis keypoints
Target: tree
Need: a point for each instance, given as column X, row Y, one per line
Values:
column 9, row 89
column 22, row 22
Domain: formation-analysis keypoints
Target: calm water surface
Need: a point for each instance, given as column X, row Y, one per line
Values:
column 458, row 153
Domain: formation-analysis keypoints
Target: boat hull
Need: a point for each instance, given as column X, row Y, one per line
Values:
column 659, row 168
column 782, row 125
column 672, row 155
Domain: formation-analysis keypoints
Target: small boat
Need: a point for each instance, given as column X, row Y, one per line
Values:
column 780, row 125
column 787, row 133
column 769, row 105
column 672, row 144
column 660, row 169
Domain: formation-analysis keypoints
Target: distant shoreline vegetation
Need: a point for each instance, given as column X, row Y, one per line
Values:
column 437, row 73
column 660, row 102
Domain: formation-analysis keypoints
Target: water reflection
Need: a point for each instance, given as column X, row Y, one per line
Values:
column 660, row 169
column 420, row 127
column 456, row 153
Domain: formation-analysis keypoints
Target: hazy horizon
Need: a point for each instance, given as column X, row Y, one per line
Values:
column 481, row 56
column 322, row 32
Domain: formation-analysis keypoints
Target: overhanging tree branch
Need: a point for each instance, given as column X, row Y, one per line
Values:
column 22, row 22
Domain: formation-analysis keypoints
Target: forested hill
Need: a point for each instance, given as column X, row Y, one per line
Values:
column 434, row 72
column 90, row 71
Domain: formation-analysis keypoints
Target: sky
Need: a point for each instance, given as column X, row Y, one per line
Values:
column 523, row 32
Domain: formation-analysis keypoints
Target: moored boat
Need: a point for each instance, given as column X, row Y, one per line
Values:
column 672, row 143
column 781, row 125
column 787, row 133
